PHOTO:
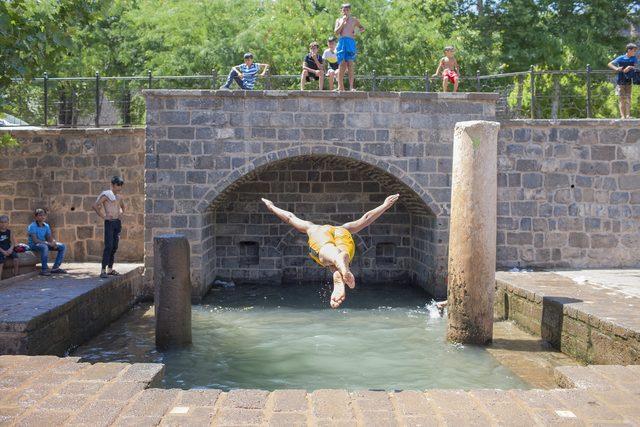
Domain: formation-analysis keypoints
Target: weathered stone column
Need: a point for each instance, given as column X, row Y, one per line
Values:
column 472, row 238
column 171, row 273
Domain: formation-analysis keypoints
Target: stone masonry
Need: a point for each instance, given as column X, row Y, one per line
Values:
column 201, row 142
column 64, row 170
column 46, row 390
column 569, row 194
column 568, row 191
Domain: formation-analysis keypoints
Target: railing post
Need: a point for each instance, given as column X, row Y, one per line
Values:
column 532, row 81
column 588, row 91
column 149, row 79
column 45, row 83
column 477, row 80
column 214, row 78
column 427, row 82
column 374, row 87
column 267, row 84
column 97, row 99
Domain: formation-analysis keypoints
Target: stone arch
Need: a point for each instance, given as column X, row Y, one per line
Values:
column 319, row 149
column 233, row 212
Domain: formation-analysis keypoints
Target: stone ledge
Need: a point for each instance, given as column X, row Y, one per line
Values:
column 184, row 93
column 587, row 322
column 23, row 131
column 570, row 122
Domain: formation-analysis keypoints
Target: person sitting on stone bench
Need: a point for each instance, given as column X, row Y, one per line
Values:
column 41, row 240
column 332, row 246
column 7, row 245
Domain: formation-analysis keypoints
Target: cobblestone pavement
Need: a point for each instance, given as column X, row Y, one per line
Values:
column 46, row 390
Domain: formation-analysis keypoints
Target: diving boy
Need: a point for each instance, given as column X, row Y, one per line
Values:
column 332, row 246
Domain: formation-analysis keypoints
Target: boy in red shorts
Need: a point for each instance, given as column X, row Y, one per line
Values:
column 450, row 69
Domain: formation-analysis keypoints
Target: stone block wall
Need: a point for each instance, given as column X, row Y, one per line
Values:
column 63, row 170
column 201, row 143
column 569, row 193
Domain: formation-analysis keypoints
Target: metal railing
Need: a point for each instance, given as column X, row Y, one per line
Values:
column 117, row 101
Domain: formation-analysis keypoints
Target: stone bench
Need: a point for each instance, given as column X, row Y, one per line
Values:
column 27, row 260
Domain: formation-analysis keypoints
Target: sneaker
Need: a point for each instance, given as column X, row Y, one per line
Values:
column 223, row 87
column 45, row 273
column 58, row 270
column 104, row 275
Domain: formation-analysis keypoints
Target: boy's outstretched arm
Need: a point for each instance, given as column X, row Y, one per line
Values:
column 438, row 69
column 371, row 216
column 288, row 217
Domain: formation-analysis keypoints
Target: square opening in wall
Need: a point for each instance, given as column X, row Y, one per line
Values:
column 385, row 253
column 249, row 254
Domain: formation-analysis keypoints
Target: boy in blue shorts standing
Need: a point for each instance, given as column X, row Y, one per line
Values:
column 345, row 29
column 245, row 74
column 41, row 240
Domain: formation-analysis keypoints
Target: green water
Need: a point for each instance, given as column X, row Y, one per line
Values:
column 270, row 338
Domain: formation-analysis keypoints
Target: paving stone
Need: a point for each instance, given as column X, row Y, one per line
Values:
column 245, row 399
column 196, row 416
column 288, row 419
column 97, row 413
column 333, row 404
column 151, row 403
column 412, row 403
column 138, row 421
column 581, row 377
column 80, row 388
column 8, row 414
column 120, row 391
column 584, row 405
column 63, row 402
column 377, row 418
column 238, row 417
column 502, row 407
column 289, row 400
column 102, row 371
column 372, row 401
column 198, row 398
column 42, row 418
column 147, row 373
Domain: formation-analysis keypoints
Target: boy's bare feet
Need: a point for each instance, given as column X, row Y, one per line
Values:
column 441, row 306
column 338, row 295
column 343, row 267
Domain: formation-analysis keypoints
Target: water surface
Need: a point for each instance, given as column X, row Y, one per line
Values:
column 384, row 337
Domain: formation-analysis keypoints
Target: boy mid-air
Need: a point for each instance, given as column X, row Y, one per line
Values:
column 345, row 29
column 332, row 246
column 450, row 69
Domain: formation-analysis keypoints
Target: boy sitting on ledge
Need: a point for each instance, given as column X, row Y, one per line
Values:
column 7, row 245
column 41, row 240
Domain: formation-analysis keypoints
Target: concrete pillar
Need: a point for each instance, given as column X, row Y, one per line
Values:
column 472, row 238
column 171, row 276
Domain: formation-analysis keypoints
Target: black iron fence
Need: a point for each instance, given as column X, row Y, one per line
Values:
column 117, row 101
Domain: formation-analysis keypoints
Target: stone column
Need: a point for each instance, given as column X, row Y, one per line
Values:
column 472, row 238
column 172, row 280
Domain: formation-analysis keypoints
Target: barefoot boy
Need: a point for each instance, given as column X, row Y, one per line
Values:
column 450, row 69
column 7, row 245
column 41, row 240
column 332, row 246
column 245, row 74
column 330, row 59
column 345, row 29
column 110, row 206
column 312, row 67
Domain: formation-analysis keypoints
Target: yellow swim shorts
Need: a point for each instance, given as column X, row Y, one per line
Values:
column 338, row 236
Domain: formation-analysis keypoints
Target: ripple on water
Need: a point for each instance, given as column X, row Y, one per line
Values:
column 270, row 338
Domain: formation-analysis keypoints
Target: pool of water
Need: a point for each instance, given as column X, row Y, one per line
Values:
column 383, row 337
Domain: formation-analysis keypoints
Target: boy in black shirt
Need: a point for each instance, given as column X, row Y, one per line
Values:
column 7, row 244
column 312, row 67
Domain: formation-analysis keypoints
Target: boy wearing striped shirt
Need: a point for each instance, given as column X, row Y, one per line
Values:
column 245, row 74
